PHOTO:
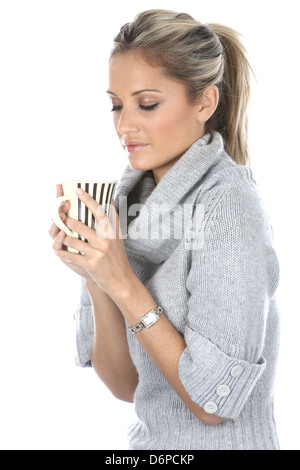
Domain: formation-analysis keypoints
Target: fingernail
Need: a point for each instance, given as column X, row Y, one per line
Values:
column 62, row 216
column 80, row 191
column 62, row 204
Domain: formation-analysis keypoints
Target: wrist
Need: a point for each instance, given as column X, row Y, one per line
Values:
column 134, row 300
column 91, row 285
column 130, row 287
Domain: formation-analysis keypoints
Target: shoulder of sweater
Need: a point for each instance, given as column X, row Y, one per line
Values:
column 230, row 190
column 227, row 177
column 227, row 171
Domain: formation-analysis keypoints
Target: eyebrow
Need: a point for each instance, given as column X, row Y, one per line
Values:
column 136, row 92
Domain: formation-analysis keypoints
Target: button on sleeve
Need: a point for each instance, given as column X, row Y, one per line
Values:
column 223, row 391
column 206, row 373
column 210, row 407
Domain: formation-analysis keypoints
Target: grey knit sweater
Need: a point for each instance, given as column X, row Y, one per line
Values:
column 219, row 293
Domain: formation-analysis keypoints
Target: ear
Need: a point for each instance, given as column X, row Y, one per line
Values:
column 208, row 103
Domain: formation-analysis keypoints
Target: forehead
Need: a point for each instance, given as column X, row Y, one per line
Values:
column 132, row 66
column 129, row 72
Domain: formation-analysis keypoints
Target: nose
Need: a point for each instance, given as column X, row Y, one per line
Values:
column 127, row 123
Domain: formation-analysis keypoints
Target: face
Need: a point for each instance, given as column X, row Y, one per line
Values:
column 153, row 116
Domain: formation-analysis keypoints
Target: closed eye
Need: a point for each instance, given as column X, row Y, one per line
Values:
column 142, row 107
column 148, row 108
column 116, row 108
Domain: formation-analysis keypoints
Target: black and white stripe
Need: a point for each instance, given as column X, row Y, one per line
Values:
column 102, row 193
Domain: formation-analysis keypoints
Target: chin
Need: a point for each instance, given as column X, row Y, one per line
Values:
column 137, row 164
column 139, row 167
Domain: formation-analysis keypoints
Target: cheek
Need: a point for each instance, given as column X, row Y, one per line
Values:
column 164, row 125
column 170, row 125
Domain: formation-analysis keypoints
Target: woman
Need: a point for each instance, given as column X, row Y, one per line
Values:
column 178, row 312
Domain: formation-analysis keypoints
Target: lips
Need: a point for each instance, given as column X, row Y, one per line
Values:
column 134, row 146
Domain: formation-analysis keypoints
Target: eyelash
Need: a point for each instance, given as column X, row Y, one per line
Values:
column 142, row 107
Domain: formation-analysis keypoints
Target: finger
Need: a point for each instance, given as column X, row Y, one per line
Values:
column 104, row 230
column 54, row 230
column 115, row 222
column 100, row 212
column 64, row 207
column 77, row 244
column 80, row 228
column 59, row 190
column 96, row 209
column 70, row 257
column 108, row 228
column 58, row 241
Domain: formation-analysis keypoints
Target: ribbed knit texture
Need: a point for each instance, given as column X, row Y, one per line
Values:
column 220, row 296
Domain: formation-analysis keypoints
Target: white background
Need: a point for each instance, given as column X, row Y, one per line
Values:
column 55, row 124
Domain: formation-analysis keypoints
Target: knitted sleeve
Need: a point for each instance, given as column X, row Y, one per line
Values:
column 230, row 285
column 84, row 324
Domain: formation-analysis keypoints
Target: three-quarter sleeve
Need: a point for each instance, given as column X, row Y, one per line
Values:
column 84, row 328
column 231, row 284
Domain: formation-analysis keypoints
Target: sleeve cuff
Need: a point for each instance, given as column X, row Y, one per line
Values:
column 84, row 335
column 215, row 381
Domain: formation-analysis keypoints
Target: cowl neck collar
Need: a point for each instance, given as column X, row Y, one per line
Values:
column 151, row 215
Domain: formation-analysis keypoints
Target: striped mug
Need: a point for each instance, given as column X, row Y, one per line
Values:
column 101, row 191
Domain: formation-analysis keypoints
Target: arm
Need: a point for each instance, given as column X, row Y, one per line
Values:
column 162, row 342
column 110, row 355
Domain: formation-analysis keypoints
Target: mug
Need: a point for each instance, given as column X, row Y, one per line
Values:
column 101, row 191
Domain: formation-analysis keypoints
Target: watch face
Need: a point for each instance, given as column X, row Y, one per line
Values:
column 149, row 319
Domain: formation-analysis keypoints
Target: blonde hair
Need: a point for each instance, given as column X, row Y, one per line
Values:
column 198, row 55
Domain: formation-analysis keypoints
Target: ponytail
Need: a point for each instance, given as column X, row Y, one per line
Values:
column 198, row 55
column 231, row 118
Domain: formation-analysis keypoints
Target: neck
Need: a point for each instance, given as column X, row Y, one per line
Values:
column 159, row 172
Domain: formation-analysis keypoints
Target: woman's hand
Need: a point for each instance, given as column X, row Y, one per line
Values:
column 58, row 236
column 104, row 257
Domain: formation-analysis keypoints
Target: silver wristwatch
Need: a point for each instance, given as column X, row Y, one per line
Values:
column 148, row 320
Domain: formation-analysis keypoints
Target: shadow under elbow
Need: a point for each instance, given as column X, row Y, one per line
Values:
column 211, row 420
column 128, row 397
column 206, row 418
